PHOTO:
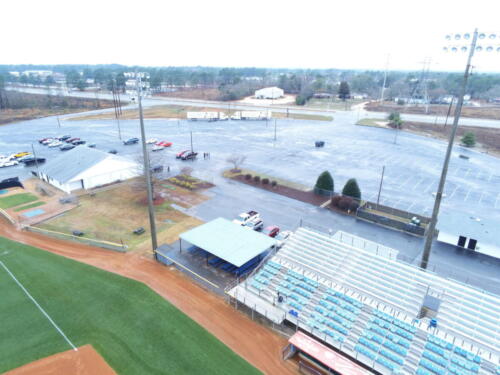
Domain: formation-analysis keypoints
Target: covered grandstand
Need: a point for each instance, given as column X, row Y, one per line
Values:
column 387, row 315
column 227, row 245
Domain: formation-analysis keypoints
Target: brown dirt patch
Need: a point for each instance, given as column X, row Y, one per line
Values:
column 487, row 112
column 287, row 191
column 85, row 361
column 255, row 343
column 487, row 139
column 193, row 93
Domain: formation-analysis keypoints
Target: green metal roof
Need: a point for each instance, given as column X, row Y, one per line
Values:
column 229, row 241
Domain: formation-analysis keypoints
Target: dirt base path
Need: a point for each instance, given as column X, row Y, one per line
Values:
column 85, row 361
column 252, row 341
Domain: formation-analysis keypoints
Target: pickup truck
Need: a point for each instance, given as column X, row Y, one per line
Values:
column 244, row 217
column 255, row 223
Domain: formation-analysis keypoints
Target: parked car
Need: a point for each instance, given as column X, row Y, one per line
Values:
column 271, row 231
column 64, row 137
column 48, row 141
column 189, row 155
column 181, row 154
column 164, row 144
column 80, row 142
column 33, row 161
column 255, row 224
column 21, row 154
column 8, row 163
column 67, row 147
column 113, row 151
column 71, row 140
column 151, row 141
column 244, row 217
column 157, row 169
column 91, row 145
column 55, row 144
column 157, row 148
column 131, row 141
column 41, row 140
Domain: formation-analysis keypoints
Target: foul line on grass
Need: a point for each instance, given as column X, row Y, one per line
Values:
column 39, row 307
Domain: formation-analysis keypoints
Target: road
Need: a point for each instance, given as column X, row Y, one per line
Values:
column 352, row 115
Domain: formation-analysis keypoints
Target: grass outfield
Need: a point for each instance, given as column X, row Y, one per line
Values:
column 132, row 327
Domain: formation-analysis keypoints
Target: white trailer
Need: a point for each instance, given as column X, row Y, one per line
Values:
column 256, row 115
column 202, row 116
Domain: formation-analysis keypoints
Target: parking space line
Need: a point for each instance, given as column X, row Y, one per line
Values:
column 410, row 206
column 418, row 183
column 467, row 195
column 468, row 171
column 452, row 194
column 405, row 182
column 481, row 198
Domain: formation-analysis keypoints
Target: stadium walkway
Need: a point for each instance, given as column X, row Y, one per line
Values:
column 255, row 343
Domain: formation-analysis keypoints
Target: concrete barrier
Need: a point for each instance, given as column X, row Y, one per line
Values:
column 88, row 241
column 7, row 216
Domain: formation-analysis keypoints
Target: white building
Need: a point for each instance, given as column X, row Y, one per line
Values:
column 269, row 93
column 86, row 168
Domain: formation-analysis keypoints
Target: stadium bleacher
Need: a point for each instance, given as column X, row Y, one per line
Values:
column 367, row 306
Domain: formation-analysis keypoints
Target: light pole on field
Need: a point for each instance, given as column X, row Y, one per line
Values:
column 147, row 170
column 474, row 47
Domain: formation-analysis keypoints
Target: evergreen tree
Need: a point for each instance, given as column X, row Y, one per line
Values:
column 469, row 139
column 324, row 181
column 344, row 90
column 351, row 189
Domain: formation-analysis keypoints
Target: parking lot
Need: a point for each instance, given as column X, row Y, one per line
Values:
column 412, row 167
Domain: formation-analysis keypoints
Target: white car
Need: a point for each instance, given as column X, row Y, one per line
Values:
column 55, row 144
column 157, row 148
column 9, row 163
column 48, row 141
column 255, row 224
column 151, row 141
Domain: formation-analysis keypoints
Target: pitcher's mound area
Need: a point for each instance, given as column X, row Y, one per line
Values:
column 85, row 361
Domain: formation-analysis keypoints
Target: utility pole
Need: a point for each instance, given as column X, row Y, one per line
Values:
column 439, row 194
column 58, row 122
column 449, row 110
column 275, row 129
column 191, row 136
column 380, row 187
column 385, row 80
column 36, row 161
column 147, row 172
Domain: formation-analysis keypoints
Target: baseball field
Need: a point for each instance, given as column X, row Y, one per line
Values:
column 134, row 329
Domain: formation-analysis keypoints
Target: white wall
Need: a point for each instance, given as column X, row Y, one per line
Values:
column 107, row 171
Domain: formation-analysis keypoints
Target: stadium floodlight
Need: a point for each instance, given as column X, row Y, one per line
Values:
column 474, row 47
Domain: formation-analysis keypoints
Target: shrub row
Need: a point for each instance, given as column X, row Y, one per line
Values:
column 345, row 203
column 257, row 179
column 184, row 184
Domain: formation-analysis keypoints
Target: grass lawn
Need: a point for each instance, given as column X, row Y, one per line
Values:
column 375, row 122
column 17, row 199
column 133, row 328
column 31, row 205
column 302, row 116
column 112, row 215
column 335, row 104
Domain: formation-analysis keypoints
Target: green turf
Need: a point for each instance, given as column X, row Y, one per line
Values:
column 133, row 328
column 31, row 205
column 16, row 200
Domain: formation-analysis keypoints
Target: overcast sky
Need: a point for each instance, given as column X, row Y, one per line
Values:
column 262, row 33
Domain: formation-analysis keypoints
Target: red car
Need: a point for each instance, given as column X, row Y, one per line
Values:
column 71, row 140
column 271, row 231
column 163, row 144
column 181, row 154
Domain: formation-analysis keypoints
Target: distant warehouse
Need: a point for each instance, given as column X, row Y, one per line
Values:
column 269, row 93
column 86, row 168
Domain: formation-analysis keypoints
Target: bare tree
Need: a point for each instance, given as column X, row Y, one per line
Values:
column 156, row 159
column 236, row 161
